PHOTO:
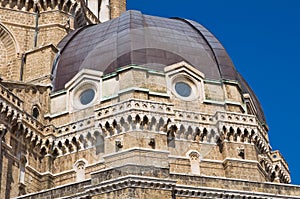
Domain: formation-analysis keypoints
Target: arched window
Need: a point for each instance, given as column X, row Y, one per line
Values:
column 99, row 143
column 194, row 160
column 35, row 112
column 79, row 168
column 22, row 165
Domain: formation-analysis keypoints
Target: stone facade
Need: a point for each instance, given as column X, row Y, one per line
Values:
column 137, row 137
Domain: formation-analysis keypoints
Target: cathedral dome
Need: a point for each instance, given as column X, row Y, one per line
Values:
column 147, row 41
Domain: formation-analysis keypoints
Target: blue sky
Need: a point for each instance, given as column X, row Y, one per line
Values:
column 262, row 38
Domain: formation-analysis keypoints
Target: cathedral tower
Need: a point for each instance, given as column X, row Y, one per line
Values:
column 106, row 9
column 35, row 26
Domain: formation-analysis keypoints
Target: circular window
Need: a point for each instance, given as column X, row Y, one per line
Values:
column 183, row 89
column 87, row 96
column 84, row 95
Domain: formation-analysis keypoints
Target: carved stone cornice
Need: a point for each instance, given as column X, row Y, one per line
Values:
column 170, row 185
column 142, row 115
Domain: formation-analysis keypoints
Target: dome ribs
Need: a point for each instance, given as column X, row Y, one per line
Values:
column 225, row 65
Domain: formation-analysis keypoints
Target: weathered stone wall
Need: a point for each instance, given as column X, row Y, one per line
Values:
column 52, row 27
column 38, row 65
column 9, row 175
column 3, row 55
column 117, row 8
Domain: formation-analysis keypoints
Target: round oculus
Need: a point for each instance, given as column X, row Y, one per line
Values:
column 87, row 96
column 183, row 89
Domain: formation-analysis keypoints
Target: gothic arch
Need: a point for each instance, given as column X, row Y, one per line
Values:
column 8, row 40
column 9, row 49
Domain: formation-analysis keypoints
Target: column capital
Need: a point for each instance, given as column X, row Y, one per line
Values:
column 2, row 134
column 2, row 128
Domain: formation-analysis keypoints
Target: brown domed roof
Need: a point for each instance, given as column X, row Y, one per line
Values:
column 139, row 39
column 148, row 41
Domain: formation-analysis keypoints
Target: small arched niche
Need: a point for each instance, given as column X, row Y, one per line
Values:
column 22, row 165
column 194, row 157
column 79, row 168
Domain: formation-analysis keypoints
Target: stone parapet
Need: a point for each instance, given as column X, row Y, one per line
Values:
column 108, row 181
